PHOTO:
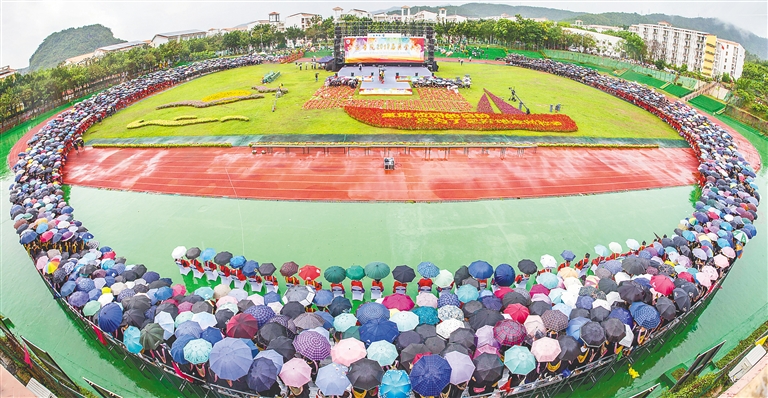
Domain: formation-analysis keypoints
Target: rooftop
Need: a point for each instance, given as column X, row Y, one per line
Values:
column 119, row 46
column 180, row 33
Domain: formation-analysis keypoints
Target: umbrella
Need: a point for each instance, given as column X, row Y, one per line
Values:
column 283, row 346
column 615, row 247
column 339, row 305
column 435, row 344
column 371, row 311
column 480, row 269
column 309, row 272
column 427, row 315
column 592, row 334
column 335, row 274
column 347, row 351
column 308, row 321
column 546, row 349
column 430, row 375
column 382, row 352
column 445, row 328
column 355, row 272
column 378, row 329
column 409, row 353
column 406, row 338
column 230, row 359
column 509, row 332
column 570, row 349
column 630, row 291
column 427, row 269
column 271, row 331
column 682, row 300
column 205, row 319
column 222, row 258
column 548, row 280
column 484, row 317
column 403, row 273
column 296, row 373
column 293, row 309
column 633, row 265
column 554, row 320
column 504, row 275
column 547, row 261
column 666, row 308
column 662, row 284
column 151, row 336
column 132, row 339
column 645, row 315
column 461, row 365
column 205, row 292
column 519, row 360
column 405, row 320
column 288, row 269
column 197, row 351
column 110, row 317
column 467, row 293
column 177, row 349
column 377, row 270
column 395, row 384
column 567, row 255
column 527, row 267
column 398, row 301
column 91, row 308
column 262, row 374
column 312, row 345
column 365, row 374
column 266, row 269
column 488, row 368
column 444, row 278
column 193, row 253
column 242, row 326
column 614, row 330
column 188, row 328
column 332, row 379
column 179, row 252
column 301, row 294
column 450, row 312
column 517, row 312
column 342, row 322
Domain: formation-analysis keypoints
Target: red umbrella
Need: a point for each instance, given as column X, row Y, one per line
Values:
column 309, row 272
column 509, row 332
column 500, row 292
column 399, row 301
column 539, row 288
column 686, row 276
column 662, row 284
column 242, row 326
column 518, row 312
column 419, row 356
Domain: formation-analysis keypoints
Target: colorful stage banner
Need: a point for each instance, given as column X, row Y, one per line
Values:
column 383, row 49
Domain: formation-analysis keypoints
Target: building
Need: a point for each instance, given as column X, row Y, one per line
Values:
column 102, row 51
column 605, row 45
column 162, row 38
column 6, row 72
column 384, row 17
column 443, row 17
column 300, row 20
column 698, row 50
column 357, row 13
column 424, row 16
column 79, row 60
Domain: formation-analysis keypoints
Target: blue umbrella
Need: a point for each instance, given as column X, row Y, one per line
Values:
column 480, row 269
column 377, row 330
column 448, row 298
column 212, row 335
column 427, row 269
column 332, row 379
column 548, row 279
column 574, row 327
column 110, row 317
column 262, row 374
column 85, row 284
column 177, row 349
column 67, row 288
column 504, row 275
column 327, row 318
column 467, row 293
column 205, row 292
column 262, row 313
column 427, row 315
column 131, row 339
column 207, row 254
column 163, row 293
column 188, row 328
column 250, row 267
column 567, row 255
column 273, row 356
column 271, row 297
column 237, row 262
column 197, row 351
column 622, row 314
column 645, row 315
column 395, row 384
column 27, row 237
column 613, row 265
column 78, row 299
column 252, row 346
column 371, row 311
column 430, row 375
column 323, row 298
column 230, row 359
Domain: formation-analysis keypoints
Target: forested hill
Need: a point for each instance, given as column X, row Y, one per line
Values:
column 70, row 43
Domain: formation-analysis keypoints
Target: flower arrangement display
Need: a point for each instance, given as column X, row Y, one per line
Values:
column 168, row 145
column 330, row 97
column 187, row 121
column 484, row 105
column 503, row 106
column 265, row 89
column 461, row 144
column 433, row 120
column 226, row 94
column 430, row 99
column 204, row 104
column 185, row 117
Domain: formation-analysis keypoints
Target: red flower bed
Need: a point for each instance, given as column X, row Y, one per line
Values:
column 431, row 120
column 484, row 106
column 503, row 106
column 330, row 97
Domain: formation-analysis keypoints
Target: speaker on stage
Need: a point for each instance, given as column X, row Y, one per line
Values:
column 338, row 49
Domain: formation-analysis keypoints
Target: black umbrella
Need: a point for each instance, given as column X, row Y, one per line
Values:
column 157, row 285
column 242, row 305
column 202, row 306
column 471, row 282
column 592, row 334
column 138, row 303
column 403, row 273
column 607, row 285
column 539, row 308
column 365, row 374
column 283, row 346
column 527, row 267
column 630, row 291
column 222, row 317
column 484, row 317
column 570, row 349
column 460, row 275
column 169, row 308
column 426, row 331
column 292, row 309
column 434, row 344
column 141, row 288
column 464, row 337
column 222, row 258
column 266, row 269
column 455, row 347
column 271, row 331
column 192, row 298
column 633, row 265
column 133, row 317
column 139, row 269
column 404, row 339
column 666, row 308
column 614, row 330
column 488, row 368
column 193, row 253
column 470, row 307
column 515, row 298
column 339, row 305
column 409, row 353
column 598, row 314
column 682, row 300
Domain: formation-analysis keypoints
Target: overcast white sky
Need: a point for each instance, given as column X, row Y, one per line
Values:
column 24, row 23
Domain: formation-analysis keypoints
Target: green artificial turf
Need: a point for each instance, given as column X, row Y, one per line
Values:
column 596, row 114
column 707, row 103
column 677, row 91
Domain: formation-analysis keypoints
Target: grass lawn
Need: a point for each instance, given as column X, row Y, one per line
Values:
column 597, row 114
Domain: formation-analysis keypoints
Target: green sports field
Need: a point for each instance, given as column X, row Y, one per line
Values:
column 597, row 114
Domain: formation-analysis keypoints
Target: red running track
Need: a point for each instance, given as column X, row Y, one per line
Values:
column 235, row 172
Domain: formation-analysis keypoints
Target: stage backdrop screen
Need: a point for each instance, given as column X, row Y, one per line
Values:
column 383, row 49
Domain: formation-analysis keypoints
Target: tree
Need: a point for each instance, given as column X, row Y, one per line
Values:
column 660, row 64
column 725, row 78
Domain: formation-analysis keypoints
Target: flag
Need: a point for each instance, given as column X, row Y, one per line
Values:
column 27, row 359
column 182, row 375
column 99, row 335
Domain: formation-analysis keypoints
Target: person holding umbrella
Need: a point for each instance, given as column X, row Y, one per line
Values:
column 403, row 275
column 376, row 271
column 289, row 270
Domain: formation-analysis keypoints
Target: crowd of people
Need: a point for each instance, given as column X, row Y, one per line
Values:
column 439, row 82
column 337, row 81
column 472, row 331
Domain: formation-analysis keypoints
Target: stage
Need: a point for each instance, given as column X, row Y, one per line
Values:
column 396, row 78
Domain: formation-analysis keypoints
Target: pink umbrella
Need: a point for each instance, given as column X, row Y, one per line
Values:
column 484, row 336
column 710, row 271
column 662, row 284
column 347, row 351
column 545, row 349
column 398, row 301
column 426, row 300
column 534, row 324
column 539, row 288
column 500, row 292
column 41, row 262
column 685, row 275
column 296, row 373
column 185, row 306
column 485, row 349
column 226, row 299
column 703, row 279
column 179, row 289
column 721, row 261
column 518, row 312
column 729, row 252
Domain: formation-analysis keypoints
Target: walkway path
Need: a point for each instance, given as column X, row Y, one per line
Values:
column 235, row 172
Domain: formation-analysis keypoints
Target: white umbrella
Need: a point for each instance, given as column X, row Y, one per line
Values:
column 615, row 247
column 445, row 328
column 178, row 252
column 548, row 261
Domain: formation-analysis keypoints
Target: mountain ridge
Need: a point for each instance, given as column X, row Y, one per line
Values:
column 68, row 43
